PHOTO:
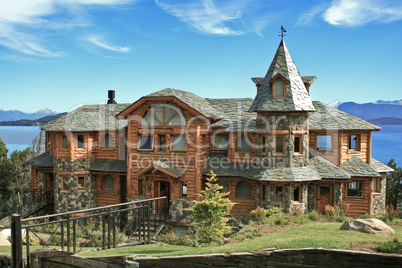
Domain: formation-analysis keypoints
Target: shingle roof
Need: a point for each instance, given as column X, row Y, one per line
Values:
column 356, row 167
column 89, row 118
column 42, row 160
column 308, row 79
column 327, row 117
column 326, row 169
column 236, row 115
column 109, row 165
column 194, row 101
column 222, row 168
column 380, row 167
column 297, row 97
column 162, row 166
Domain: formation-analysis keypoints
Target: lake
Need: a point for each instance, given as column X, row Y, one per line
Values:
column 387, row 143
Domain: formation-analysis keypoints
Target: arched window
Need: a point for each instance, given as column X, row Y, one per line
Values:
column 107, row 141
column 108, row 182
column 163, row 114
column 243, row 189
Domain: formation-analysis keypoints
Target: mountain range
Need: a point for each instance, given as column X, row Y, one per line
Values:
column 380, row 113
column 14, row 115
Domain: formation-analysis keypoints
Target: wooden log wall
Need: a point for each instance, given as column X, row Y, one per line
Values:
column 361, row 152
column 332, row 156
column 358, row 206
column 105, row 197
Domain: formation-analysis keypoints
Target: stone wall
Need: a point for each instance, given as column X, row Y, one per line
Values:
column 379, row 198
column 73, row 199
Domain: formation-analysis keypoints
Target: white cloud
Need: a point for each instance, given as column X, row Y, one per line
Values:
column 308, row 16
column 360, row 12
column 206, row 17
column 100, row 42
column 24, row 23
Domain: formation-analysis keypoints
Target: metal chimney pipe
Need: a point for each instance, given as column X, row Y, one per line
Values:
column 111, row 95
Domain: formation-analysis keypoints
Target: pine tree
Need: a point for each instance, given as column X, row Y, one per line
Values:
column 210, row 213
column 394, row 185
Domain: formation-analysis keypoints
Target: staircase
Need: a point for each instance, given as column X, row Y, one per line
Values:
column 26, row 205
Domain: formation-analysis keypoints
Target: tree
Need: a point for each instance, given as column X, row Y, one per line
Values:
column 394, row 185
column 210, row 213
column 6, row 171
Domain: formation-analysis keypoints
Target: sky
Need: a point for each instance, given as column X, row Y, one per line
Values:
column 61, row 54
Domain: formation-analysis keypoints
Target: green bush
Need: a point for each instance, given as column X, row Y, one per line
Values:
column 336, row 212
column 313, row 215
column 301, row 219
column 258, row 215
column 391, row 246
column 173, row 239
column 280, row 220
column 272, row 211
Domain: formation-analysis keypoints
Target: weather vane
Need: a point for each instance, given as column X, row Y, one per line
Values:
column 282, row 31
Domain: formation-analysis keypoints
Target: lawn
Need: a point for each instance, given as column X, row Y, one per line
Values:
column 313, row 234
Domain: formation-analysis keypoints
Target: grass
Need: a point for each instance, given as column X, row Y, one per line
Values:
column 312, row 234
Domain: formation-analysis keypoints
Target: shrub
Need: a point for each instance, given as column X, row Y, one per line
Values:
column 391, row 246
column 210, row 213
column 272, row 211
column 336, row 212
column 258, row 215
column 280, row 220
column 173, row 239
column 301, row 219
column 313, row 215
column 391, row 213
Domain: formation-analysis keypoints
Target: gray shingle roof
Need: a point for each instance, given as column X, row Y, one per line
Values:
column 169, row 167
column 218, row 163
column 308, row 79
column 297, row 97
column 89, row 118
column 326, row 169
column 236, row 115
column 194, row 101
column 356, row 167
column 380, row 167
column 42, row 160
column 109, row 165
column 328, row 117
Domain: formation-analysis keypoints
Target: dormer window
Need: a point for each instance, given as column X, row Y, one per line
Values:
column 279, row 86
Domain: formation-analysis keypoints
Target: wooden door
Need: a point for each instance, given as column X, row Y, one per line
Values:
column 49, row 184
column 162, row 189
column 324, row 197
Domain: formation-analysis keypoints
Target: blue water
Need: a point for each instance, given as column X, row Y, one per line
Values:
column 18, row 138
column 387, row 143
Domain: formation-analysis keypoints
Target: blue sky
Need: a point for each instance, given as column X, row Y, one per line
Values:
column 60, row 54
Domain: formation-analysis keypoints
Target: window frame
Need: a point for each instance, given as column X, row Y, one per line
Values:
column 78, row 183
column 103, row 185
column 172, row 141
column 277, row 201
column 377, row 189
column 64, row 179
column 348, row 187
column 78, row 142
column 103, row 141
column 238, row 195
column 299, row 187
column 64, row 138
column 331, row 139
column 165, row 120
column 249, row 143
column 152, row 144
column 300, row 137
column 358, row 143
column 227, row 144
column 273, row 83
column 283, row 144
column 184, row 184
column 141, row 187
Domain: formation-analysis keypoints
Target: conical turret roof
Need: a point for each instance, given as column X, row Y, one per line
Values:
column 297, row 98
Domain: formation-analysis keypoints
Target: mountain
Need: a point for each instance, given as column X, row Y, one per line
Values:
column 395, row 102
column 368, row 111
column 37, row 122
column 386, row 121
column 14, row 115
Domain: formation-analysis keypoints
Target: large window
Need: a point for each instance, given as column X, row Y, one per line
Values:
column 324, row 143
column 146, row 142
column 107, row 141
column 243, row 189
column 179, row 143
column 243, row 143
column 163, row 114
column 355, row 189
column 221, row 141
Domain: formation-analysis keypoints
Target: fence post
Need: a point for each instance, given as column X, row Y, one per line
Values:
column 16, row 238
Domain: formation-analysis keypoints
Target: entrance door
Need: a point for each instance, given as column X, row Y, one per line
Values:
column 324, row 197
column 49, row 185
column 162, row 189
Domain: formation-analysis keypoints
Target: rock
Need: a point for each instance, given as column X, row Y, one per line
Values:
column 4, row 241
column 371, row 226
